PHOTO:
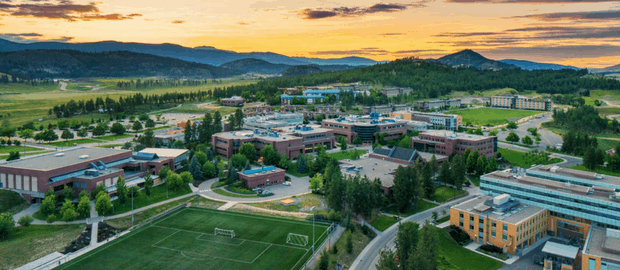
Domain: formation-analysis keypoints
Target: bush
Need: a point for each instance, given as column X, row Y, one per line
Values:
column 25, row 220
column 458, row 235
column 51, row 218
column 492, row 249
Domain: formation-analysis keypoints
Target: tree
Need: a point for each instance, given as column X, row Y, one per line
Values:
column 237, row 161
column 67, row 212
column 25, row 220
column 195, row 168
column 248, row 150
column 149, row 123
column 533, row 131
column 513, row 137
column 208, row 170
column 232, row 175
column 163, row 173
column 445, row 175
column 343, row 143
column 118, row 128
column 137, row 126
column 238, row 118
column 357, row 141
column 427, row 180
column 82, row 133
column 83, row 208
column 435, row 216
column 6, row 225
column 99, row 130
column 387, row 260
column 103, row 203
column 121, row 190
column 48, row 205
column 143, row 117
column 270, row 156
column 527, row 140
column 405, row 142
column 512, row 125
column 336, row 188
column 324, row 260
column 481, row 165
column 350, row 243
column 148, row 138
column 316, row 182
column 458, row 172
column 493, row 132
column 13, row 155
column 217, row 122
column 189, row 135
column 26, row 134
column 67, row 193
column 407, row 239
column 66, row 134
column 148, row 184
column 402, row 189
column 302, row 164
column 187, row 177
column 133, row 192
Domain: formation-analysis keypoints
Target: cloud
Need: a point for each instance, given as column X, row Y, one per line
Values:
column 392, row 34
column 528, row 1
column 31, row 37
column 362, row 51
column 322, row 13
column 470, row 34
column 418, row 51
column 178, row 22
column 60, row 9
column 243, row 23
column 606, row 15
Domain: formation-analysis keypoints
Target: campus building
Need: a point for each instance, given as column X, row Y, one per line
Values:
column 405, row 156
column 290, row 141
column 438, row 120
column 502, row 221
column 446, row 143
column 326, row 92
column 80, row 168
column 601, row 250
column 395, row 91
column 273, row 120
column 385, row 109
column 286, row 99
column 233, row 101
column 438, row 104
column 262, row 177
column 521, row 102
column 367, row 128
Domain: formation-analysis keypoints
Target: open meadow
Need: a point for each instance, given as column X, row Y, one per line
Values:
column 490, row 116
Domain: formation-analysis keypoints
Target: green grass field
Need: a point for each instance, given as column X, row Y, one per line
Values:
column 72, row 142
column 5, row 149
column 444, row 193
column 518, row 158
column 421, row 205
column 451, row 256
column 383, row 222
column 347, row 154
column 493, row 117
column 185, row 240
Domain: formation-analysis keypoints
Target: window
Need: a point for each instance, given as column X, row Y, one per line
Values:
column 461, row 224
column 493, row 224
column 481, row 220
column 493, row 233
column 471, row 227
column 471, row 218
column 505, row 227
column 461, row 215
column 504, row 237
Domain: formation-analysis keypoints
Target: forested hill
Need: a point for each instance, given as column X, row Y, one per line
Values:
column 32, row 64
column 433, row 79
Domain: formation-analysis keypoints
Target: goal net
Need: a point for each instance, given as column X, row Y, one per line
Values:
column 230, row 233
column 297, row 239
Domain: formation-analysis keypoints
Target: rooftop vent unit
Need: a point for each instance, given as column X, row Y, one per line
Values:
column 60, row 155
column 83, row 156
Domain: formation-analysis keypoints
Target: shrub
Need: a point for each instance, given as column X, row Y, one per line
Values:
column 51, row 218
column 458, row 235
column 492, row 249
column 25, row 220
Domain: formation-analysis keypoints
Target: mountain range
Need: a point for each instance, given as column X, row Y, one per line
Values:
column 470, row 58
column 252, row 65
column 202, row 54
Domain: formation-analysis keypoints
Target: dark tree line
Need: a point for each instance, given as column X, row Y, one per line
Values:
column 148, row 84
column 583, row 119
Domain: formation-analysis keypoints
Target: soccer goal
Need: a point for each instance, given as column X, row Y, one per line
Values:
column 230, row 233
column 297, row 239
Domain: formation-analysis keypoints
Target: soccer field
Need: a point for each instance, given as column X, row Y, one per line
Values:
column 185, row 239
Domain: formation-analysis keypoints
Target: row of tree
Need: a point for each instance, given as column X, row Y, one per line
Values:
column 416, row 249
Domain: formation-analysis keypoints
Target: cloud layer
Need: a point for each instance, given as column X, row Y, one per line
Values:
column 322, row 13
column 60, row 9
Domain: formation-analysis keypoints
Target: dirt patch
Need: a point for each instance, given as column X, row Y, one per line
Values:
column 252, row 209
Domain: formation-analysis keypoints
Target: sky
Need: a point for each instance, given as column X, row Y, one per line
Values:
column 582, row 33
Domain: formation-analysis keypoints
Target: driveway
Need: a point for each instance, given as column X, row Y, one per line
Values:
column 299, row 186
column 547, row 138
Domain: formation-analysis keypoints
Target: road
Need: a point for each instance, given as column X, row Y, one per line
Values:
column 547, row 138
column 369, row 257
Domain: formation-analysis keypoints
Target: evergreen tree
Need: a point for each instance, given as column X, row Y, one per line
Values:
column 407, row 239
column 121, row 190
column 302, row 164
column 445, row 175
column 195, row 168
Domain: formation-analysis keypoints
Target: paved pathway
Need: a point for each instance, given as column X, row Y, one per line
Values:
column 299, row 186
column 226, row 206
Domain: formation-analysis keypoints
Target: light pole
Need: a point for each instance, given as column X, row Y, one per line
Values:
column 312, row 209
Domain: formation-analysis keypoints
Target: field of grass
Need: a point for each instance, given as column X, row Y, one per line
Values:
column 308, row 200
column 383, row 222
column 11, row 202
column 158, row 194
column 185, row 240
column 293, row 171
column 234, row 195
column 608, row 95
column 443, row 219
column 72, row 142
column 601, row 170
column 444, row 193
column 518, row 158
column 451, row 256
column 27, row 244
column 474, row 179
column 111, row 138
column 420, row 205
column 347, row 154
column 605, row 144
column 109, row 145
column 5, row 149
column 493, row 117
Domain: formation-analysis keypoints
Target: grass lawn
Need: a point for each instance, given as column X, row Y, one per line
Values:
column 111, row 138
column 109, row 145
column 444, row 193
column 235, row 195
column 383, row 222
column 474, row 179
column 21, row 155
column 601, row 170
column 293, row 171
column 259, row 243
column 421, row 205
column 519, row 159
column 158, row 194
column 27, row 244
column 605, row 145
column 196, row 201
column 451, row 256
column 359, row 240
column 72, row 142
column 493, row 117
column 346, row 154
column 5, row 149
column 443, row 219
column 309, row 200
column 11, row 202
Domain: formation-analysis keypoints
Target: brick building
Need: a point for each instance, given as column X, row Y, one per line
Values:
column 366, row 127
column 521, row 102
column 290, row 141
column 233, row 101
column 80, row 168
column 438, row 104
column 445, row 142
column 405, row 156
column 438, row 120
column 395, row 91
column 262, row 177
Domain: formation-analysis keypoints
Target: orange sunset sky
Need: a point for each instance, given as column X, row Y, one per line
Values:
column 580, row 33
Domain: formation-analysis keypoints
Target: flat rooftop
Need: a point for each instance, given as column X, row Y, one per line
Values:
column 556, row 186
column 453, row 135
column 583, row 175
column 313, row 129
column 363, row 121
column 520, row 213
column 245, row 134
column 260, row 171
column 53, row 161
column 165, row 152
column 602, row 244
column 371, row 167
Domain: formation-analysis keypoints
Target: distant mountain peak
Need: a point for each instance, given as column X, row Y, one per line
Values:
column 470, row 58
column 206, row 48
